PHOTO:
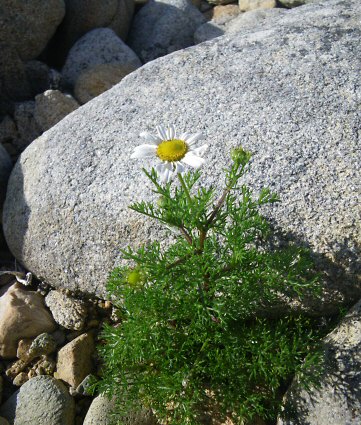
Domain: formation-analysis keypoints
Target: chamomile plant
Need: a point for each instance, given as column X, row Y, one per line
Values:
column 195, row 340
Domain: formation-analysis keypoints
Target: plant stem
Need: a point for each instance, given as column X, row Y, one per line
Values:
column 185, row 187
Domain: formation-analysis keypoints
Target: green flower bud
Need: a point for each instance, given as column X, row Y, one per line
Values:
column 240, row 156
column 134, row 277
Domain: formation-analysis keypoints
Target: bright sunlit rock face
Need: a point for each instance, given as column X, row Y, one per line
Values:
column 172, row 149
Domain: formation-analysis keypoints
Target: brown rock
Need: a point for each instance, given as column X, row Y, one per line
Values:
column 75, row 360
column 22, row 315
column 20, row 379
column 224, row 13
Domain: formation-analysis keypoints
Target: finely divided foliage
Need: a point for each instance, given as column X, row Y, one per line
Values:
column 195, row 338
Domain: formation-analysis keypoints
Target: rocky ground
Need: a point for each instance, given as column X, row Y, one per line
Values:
column 284, row 82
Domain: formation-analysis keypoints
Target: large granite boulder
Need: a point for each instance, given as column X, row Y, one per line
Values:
column 288, row 93
column 27, row 26
column 162, row 27
column 338, row 399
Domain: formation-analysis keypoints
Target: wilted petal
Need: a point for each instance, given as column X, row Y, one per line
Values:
column 144, row 151
column 193, row 160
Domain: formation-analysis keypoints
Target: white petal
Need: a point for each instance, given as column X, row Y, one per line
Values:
column 170, row 132
column 184, row 136
column 144, row 151
column 199, row 151
column 193, row 138
column 179, row 168
column 193, row 160
column 151, row 138
column 165, row 171
column 162, row 132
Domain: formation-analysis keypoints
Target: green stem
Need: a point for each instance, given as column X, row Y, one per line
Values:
column 185, row 187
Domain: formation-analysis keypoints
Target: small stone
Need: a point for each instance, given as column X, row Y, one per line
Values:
column 32, row 373
column 67, row 311
column 16, row 368
column 43, row 344
column 20, row 379
column 23, row 348
column 75, row 360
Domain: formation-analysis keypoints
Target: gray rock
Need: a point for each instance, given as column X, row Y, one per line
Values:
column 245, row 5
column 83, row 16
column 27, row 127
column 51, row 107
column 279, row 91
column 162, row 27
column 40, row 401
column 67, row 311
column 101, row 413
column 338, row 400
column 28, row 26
column 98, row 47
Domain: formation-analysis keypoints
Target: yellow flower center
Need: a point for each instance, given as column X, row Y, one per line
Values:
column 172, row 150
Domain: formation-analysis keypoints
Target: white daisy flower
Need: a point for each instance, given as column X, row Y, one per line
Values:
column 172, row 150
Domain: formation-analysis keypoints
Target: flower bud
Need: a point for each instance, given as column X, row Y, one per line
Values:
column 134, row 277
column 240, row 156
